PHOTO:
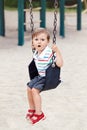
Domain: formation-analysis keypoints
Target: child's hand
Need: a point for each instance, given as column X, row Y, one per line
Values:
column 59, row 60
column 54, row 48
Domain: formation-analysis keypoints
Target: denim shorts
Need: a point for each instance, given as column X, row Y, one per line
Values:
column 38, row 82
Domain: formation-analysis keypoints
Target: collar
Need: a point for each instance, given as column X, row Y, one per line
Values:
column 42, row 53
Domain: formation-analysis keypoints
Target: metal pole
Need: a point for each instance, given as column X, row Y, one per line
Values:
column 43, row 13
column 62, row 11
column 2, row 19
column 20, row 22
column 79, row 9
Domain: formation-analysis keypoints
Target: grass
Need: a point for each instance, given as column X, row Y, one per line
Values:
column 10, row 9
column 48, row 9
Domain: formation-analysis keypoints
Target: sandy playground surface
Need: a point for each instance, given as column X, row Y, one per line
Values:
column 64, row 107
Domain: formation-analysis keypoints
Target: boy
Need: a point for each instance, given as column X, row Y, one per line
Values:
column 42, row 58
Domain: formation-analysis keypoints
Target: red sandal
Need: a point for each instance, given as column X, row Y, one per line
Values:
column 30, row 114
column 36, row 118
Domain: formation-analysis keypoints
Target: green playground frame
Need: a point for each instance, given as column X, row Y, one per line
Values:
column 42, row 18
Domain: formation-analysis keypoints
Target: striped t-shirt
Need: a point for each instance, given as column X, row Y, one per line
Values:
column 43, row 60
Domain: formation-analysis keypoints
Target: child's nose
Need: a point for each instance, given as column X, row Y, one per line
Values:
column 39, row 41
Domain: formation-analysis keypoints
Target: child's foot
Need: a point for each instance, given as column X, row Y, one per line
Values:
column 30, row 114
column 36, row 118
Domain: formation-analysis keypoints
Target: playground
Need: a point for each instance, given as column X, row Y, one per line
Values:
column 66, row 106
column 69, row 99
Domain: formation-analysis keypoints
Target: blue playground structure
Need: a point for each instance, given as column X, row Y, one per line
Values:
column 42, row 17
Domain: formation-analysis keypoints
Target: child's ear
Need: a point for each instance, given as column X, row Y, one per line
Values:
column 49, row 41
column 32, row 45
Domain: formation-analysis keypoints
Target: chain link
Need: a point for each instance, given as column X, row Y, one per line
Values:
column 54, row 29
column 55, row 21
column 31, row 16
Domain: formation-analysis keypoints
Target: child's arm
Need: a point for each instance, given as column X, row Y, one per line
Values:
column 59, row 60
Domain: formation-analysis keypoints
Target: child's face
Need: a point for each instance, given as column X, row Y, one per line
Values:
column 40, row 42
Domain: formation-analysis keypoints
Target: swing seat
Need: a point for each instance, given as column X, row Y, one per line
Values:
column 52, row 75
column 32, row 70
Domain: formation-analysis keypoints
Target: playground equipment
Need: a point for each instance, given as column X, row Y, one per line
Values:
column 21, row 23
column 53, row 71
column 21, row 19
column 2, row 20
column 62, row 15
column 73, row 3
column 42, row 18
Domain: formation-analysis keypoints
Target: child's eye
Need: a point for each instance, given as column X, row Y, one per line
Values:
column 36, row 39
column 42, row 39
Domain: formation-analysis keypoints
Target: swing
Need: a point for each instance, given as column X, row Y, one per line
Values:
column 53, row 71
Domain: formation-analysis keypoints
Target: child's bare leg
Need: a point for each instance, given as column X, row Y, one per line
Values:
column 37, row 100
column 30, row 98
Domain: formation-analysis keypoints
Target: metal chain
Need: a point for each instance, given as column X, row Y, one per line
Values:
column 54, row 30
column 55, row 21
column 31, row 16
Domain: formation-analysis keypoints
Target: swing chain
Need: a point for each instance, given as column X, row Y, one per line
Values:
column 55, row 21
column 31, row 16
column 54, row 30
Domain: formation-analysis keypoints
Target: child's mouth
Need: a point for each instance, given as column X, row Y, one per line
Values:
column 39, row 45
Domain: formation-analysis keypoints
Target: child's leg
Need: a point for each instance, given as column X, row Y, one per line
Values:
column 31, row 109
column 38, row 115
column 30, row 99
column 37, row 100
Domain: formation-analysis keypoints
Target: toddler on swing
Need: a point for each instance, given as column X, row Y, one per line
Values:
column 43, row 58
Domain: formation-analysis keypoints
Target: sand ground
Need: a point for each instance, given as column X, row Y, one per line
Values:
column 64, row 107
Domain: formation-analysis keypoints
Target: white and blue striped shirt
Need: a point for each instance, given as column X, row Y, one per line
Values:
column 43, row 60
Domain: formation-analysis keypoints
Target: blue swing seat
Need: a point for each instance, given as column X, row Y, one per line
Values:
column 52, row 75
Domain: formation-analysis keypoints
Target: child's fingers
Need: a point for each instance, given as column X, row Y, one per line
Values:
column 54, row 47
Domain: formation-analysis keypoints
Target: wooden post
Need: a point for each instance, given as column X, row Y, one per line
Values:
column 20, row 22
column 2, row 19
column 43, row 13
column 62, row 12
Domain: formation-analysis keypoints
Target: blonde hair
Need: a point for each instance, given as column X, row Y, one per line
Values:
column 39, row 31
